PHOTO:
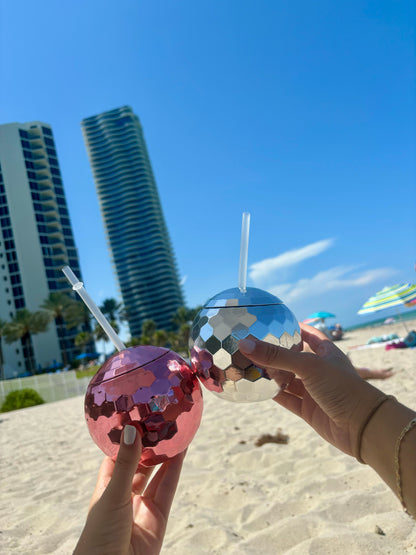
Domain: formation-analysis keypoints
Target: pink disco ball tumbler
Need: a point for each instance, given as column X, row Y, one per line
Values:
column 151, row 388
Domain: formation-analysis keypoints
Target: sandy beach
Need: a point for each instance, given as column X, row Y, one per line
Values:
column 233, row 497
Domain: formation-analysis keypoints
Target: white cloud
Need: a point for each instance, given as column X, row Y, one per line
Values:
column 328, row 280
column 183, row 280
column 263, row 270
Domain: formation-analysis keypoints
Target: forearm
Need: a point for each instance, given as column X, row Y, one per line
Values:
column 378, row 449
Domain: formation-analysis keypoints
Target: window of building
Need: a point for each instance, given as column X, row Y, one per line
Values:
column 11, row 256
column 31, row 175
column 27, row 154
column 35, row 196
column 14, row 267
column 3, row 199
column 46, row 131
column 4, row 211
column 55, row 171
column 18, row 291
column 59, row 190
column 23, row 133
column 29, row 165
column 25, row 144
column 19, row 303
column 42, row 228
column 52, row 285
column 53, row 161
column 15, row 279
column 49, row 142
column 60, row 200
column 50, row 273
column 7, row 233
column 5, row 222
column 47, row 251
column 40, row 217
column 67, row 231
column 65, row 221
column 43, row 239
column 9, row 245
column 56, row 180
column 2, row 189
column 48, row 261
column 34, row 186
column 63, row 211
column 69, row 242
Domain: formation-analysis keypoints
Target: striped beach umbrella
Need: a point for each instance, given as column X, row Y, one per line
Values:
column 389, row 296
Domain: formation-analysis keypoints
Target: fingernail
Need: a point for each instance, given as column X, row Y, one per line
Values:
column 129, row 434
column 247, row 345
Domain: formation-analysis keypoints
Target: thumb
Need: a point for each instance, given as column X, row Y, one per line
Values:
column 128, row 457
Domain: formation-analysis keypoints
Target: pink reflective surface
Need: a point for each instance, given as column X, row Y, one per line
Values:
column 152, row 388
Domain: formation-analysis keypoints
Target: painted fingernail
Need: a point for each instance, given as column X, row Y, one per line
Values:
column 247, row 345
column 129, row 434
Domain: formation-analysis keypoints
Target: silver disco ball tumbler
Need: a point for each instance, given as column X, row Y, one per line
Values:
column 218, row 327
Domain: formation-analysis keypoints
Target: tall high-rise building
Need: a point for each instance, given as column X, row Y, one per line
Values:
column 136, row 231
column 36, row 240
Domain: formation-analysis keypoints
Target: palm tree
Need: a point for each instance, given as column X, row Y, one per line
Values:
column 160, row 338
column 83, row 338
column 148, row 329
column 22, row 327
column 2, row 324
column 77, row 314
column 99, row 333
column 184, row 315
column 111, row 308
column 57, row 306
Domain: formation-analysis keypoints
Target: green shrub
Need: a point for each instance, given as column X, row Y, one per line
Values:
column 21, row 399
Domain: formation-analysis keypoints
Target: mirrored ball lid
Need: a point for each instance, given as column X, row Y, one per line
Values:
column 234, row 297
column 128, row 360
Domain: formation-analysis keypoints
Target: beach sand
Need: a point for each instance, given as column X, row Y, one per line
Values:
column 234, row 497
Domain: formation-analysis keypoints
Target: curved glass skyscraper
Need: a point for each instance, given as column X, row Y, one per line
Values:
column 136, row 230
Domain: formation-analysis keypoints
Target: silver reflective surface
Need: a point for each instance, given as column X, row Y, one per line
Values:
column 216, row 331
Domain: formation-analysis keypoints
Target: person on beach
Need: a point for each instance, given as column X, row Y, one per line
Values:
column 125, row 516
column 321, row 386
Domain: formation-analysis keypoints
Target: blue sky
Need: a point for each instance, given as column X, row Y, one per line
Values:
column 300, row 112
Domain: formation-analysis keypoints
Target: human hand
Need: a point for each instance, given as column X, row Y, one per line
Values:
column 318, row 384
column 125, row 516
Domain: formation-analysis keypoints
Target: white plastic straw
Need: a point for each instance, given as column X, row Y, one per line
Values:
column 78, row 286
column 242, row 273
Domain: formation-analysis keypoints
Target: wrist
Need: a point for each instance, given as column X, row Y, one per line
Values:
column 379, row 439
column 368, row 400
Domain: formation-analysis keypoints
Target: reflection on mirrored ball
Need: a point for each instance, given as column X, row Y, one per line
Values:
column 218, row 327
column 151, row 388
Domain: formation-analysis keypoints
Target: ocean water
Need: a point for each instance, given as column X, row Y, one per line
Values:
column 408, row 315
